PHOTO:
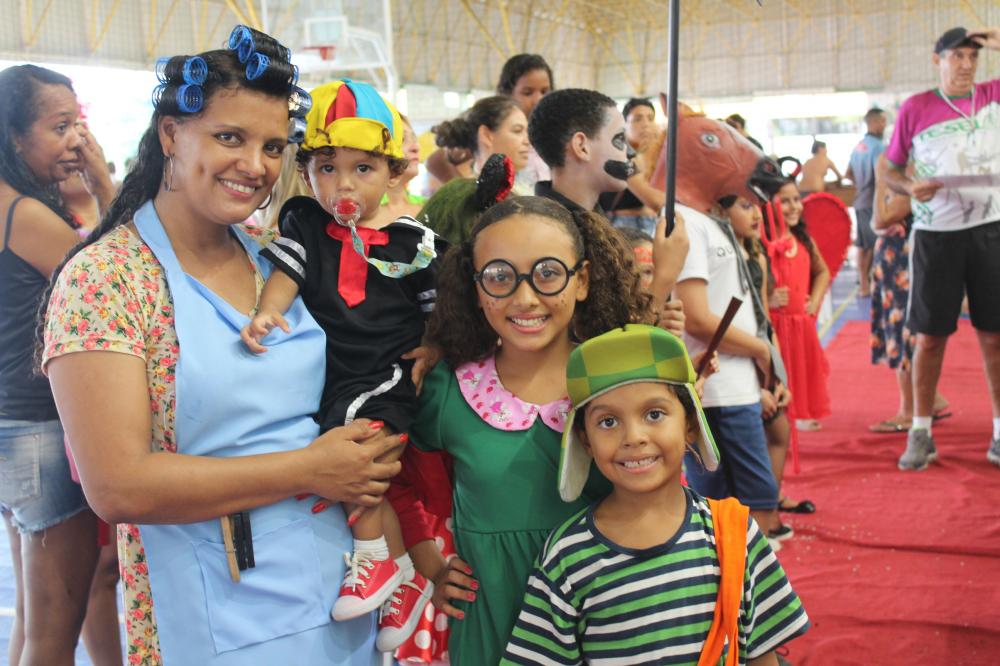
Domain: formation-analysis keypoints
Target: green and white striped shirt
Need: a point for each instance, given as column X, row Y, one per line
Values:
column 592, row 601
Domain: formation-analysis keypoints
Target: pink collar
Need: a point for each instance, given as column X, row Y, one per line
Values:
column 482, row 390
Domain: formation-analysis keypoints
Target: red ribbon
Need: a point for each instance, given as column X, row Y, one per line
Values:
column 353, row 274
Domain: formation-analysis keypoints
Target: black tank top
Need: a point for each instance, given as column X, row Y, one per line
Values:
column 24, row 395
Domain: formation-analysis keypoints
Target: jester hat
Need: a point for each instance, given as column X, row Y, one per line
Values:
column 351, row 114
column 636, row 353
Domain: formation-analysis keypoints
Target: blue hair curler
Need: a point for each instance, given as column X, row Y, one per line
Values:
column 296, row 130
column 161, row 68
column 257, row 66
column 158, row 94
column 190, row 98
column 241, row 41
column 295, row 73
column 195, row 70
column 299, row 102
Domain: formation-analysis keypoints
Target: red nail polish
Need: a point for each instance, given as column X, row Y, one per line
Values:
column 376, row 425
column 461, row 616
column 472, row 596
column 319, row 506
column 468, row 570
column 302, row 496
column 474, row 585
column 404, row 438
column 353, row 519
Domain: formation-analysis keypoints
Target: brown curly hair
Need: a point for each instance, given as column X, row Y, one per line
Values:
column 615, row 296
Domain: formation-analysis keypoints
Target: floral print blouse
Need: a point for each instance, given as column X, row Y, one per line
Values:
column 113, row 296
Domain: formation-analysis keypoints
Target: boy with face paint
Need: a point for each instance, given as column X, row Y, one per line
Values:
column 580, row 134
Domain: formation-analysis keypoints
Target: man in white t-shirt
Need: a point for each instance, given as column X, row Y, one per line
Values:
column 709, row 279
column 951, row 134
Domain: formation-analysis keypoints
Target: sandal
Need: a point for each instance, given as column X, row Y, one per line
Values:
column 889, row 426
column 802, row 506
column 941, row 414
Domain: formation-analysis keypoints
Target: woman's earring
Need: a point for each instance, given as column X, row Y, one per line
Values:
column 267, row 202
column 168, row 174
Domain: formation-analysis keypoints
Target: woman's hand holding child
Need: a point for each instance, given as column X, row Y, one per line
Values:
column 454, row 581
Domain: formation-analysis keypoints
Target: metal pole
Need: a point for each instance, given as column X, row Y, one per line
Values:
column 673, row 64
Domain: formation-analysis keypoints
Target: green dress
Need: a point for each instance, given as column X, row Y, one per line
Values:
column 506, row 500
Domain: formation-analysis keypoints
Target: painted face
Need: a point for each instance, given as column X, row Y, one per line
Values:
column 530, row 88
column 791, row 204
column 51, row 146
column 637, row 435
column 226, row 160
column 511, row 139
column 745, row 218
column 957, row 69
column 348, row 173
column 612, row 154
column 411, row 150
column 640, row 127
column 644, row 263
column 527, row 321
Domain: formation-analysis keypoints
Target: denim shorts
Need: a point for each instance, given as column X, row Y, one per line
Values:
column 36, row 489
column 644, row 223
column 744, row 468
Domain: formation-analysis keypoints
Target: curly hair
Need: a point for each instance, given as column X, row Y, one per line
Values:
column 615, row 297
column 561, row 114
column 519, row 65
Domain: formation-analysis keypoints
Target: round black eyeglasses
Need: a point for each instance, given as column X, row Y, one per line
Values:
column 548, row 277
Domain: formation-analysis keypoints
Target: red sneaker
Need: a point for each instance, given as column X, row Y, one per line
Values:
column 367, row 585
column 401, row 613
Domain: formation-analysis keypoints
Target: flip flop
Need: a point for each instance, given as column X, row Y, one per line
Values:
column 941, row 415
column 888, row 426
column 802, row 506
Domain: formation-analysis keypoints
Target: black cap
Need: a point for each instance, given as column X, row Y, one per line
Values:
column 954, row 38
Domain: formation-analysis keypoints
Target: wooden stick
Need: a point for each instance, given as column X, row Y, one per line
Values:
column 230, row 546
column 727, row 319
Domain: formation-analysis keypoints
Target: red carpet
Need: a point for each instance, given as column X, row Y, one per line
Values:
column 897, row 568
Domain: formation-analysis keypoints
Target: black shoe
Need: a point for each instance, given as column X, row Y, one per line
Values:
column 781, row 532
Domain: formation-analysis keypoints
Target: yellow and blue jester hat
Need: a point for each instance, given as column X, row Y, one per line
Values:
column 636, row 353
column 351, row 114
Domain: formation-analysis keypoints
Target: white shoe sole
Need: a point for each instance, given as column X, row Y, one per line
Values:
column 389, row 641
column 368, row 605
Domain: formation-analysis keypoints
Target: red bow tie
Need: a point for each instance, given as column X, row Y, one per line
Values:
column 353, row 268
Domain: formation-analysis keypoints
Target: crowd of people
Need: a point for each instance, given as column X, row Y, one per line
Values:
column 545, row 445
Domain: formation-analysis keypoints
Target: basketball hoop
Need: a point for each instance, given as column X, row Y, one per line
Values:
column 325, row 52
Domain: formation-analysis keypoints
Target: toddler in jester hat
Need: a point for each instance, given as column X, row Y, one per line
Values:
column 635, row 577
column 369, row 282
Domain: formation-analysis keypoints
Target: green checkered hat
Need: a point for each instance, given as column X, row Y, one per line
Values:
column 629, row 355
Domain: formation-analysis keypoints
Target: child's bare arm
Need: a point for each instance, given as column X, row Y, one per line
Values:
column 277, row 296
column 769, row 659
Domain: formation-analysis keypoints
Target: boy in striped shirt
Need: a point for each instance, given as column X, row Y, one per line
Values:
column 635, row 578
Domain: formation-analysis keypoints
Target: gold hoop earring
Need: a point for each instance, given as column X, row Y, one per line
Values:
column 168, row 174
column 267, row 202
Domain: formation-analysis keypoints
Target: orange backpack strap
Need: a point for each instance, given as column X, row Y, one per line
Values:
column 729, row 518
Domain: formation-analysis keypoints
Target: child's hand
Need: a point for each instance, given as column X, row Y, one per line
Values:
column 710, row 369
column 424, row 358
column 779, row 297
column 782, row 395
column 669, row 252
column 454, row 581
column 768, row 404
column 672, row 317
column 258, row 328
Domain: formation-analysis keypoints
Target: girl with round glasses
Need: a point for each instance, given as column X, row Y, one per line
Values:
column 531, row 282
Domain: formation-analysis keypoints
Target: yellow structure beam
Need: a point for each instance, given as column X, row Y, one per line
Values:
column 483, row 29
column 105, row 26
column 29, row 32
column 505, row 20
column 252, row 11
column 236, row 11
column 155, row 44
